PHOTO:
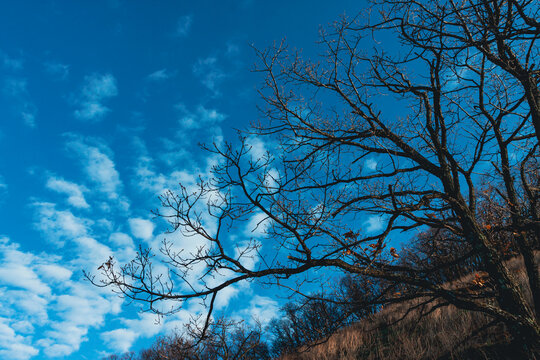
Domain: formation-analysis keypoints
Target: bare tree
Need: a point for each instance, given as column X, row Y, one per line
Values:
column 409, row 115
column 223, row 340
column 125, row 356
column 310, row 322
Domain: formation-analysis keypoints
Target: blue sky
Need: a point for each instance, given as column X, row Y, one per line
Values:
column 102, row 104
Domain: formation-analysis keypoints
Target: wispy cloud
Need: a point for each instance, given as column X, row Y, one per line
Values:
column 78, row 309
column 257, row 225
column 11, row 63
column 97, row 89
column 39, row 284
column 25, row 300
column 202, row 117
column 17, row 89
column 59, row 225
column 159, row 75
column 16, row 270
column 183, row 25
column 57, row 70
column 3, row 185
column 72, row 190
column 257, row 147
column 122, row 339
column 210, row 73
column 146, row 326
column 15, row 86
column 232, row 49
column 96, row 159
column 261, row 309
column 14, row 346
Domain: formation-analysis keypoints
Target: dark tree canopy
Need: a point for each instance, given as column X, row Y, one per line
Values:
column 424, row 113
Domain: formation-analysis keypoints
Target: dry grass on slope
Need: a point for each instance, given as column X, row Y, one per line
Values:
column 444, row 333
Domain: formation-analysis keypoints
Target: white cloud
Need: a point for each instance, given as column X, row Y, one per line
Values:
column 371, row 164
column 23, row 327
column 78, row 309
column 183, row 25
column 120, row 339
column 21, row 276
column 29, row 116
column 261, row 309
column 27, row 298
column 11, row 63
column 374, row 223
column 225, row 296
column 3, row 185
column 14, row 346
column 15, row 86
column 17, row 89
column 159, row 75
column 247, row 253
column 25, row 305
column 121, row 240
column 91, row 111
column 100, row 169
column 61, row 71
column 54, row 272
column 174, row 153
column 72, row 190
column 147, row 178
column 31, row 285
column 91, row 252
column 123, row 338
column 201, row 118
column 97, row 89
column 141, row 228
column 272, row 179
column 16, row 270
column 210, row 73
column 257, row 147
column 59, row 225
column 257, row 225
column 232, row 49
column 56, row 350
column 125, row 248
column 147, row 326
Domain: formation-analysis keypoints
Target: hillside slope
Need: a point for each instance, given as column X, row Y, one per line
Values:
column 412, row 331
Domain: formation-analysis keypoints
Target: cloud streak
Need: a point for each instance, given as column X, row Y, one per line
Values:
column 17, row 89
column 100, row 169
column 97, row 89
column 210, row 73
column 72, row 190
column 183, row 25
column 58, row 225
column 159, row 75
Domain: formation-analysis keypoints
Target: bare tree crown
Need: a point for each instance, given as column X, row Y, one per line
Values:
column 425, row 114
